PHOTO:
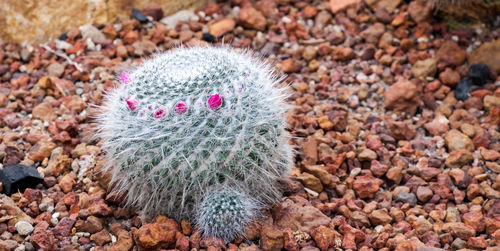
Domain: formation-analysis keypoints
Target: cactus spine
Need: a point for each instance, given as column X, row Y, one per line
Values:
column 195, row 133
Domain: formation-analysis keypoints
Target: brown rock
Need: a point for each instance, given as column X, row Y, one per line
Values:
column 342, row 53
column 457, row 159
column 475, row 220
column 290, row 65
column 324, row 237
column 380, row 217
column 489, row 54
column 424, row 193
column 450, row 54
column 422, row 225
column 55, row 69
column 109, row 31
column 44, row 111
column 341, row 5
column 289, row 241
column 298, row 215
column 437, row 126
column 63, row 227
column 366, row 186
column 373, row 33
column 459, row 229
column 403, row 96
column 41, row 150
column 142, row 48
column 43, row 239
column 420, row 10
column 402, row 129
column 13, row 213
column 309, row 53
column 389, row 5
column 160, row 234
column 310, row 151
column 489, row 155
column 395, row 174
column 3, row 100
column 310, row 181
column 58, row 163
column 310, row 11
column 182, row 243
column 91, row 225
column 67, row 182
column 99, row 208
column 271, row 238
column 493, row 166
column 101, row 238
column 456, row 141
column 424, row 68
column 321, row 173
column 251, row 18
column 324, row 123
column 490, row 101
column 367, row 155
column 449, row 77
column 377, row 168
column 124, row 241
column 477, row 243
column 267, row 7
column 338, row 116
column 221, row 27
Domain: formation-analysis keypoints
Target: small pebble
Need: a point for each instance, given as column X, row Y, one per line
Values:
column 208, row 37
column 139, row 16
column 462, row 91
column 405, row 197
column 479, row 73
column 24, row 227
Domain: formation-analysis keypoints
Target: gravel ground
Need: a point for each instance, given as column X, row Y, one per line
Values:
column 388, row 157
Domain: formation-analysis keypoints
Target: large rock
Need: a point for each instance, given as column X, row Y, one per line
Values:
column 298, row 214
column 389, row 5
column 488, row 54
column 403, row 96
column 37, row 21
column 341, row 5
column 450, row 54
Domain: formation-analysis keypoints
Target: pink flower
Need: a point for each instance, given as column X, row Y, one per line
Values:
column 124, row 78
column 160, row 113
column 214, row 101
column 181, row 108
column 132, row 103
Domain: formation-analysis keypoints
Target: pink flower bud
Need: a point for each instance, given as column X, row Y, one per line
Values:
column 132, row 103
column 214, row 101
column 181, row 108
column 124, row 78
column 160, row 113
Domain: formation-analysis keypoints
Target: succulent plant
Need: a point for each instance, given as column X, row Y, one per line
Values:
column 198, row 133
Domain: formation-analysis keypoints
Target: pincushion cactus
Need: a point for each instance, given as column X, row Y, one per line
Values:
column 198, row 133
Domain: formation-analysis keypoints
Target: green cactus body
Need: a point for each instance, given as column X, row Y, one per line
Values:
column 189, row 124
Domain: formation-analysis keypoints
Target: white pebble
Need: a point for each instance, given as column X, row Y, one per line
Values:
column 24, row 227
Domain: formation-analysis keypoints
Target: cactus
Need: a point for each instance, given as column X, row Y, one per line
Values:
column 226, row 212
column 194, row 130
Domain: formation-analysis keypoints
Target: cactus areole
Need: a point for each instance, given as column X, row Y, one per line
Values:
column 198, row 133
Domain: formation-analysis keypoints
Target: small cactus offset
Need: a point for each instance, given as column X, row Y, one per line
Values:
column 198, row 133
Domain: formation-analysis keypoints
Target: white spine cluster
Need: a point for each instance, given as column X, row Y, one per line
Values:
column 192, row 123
